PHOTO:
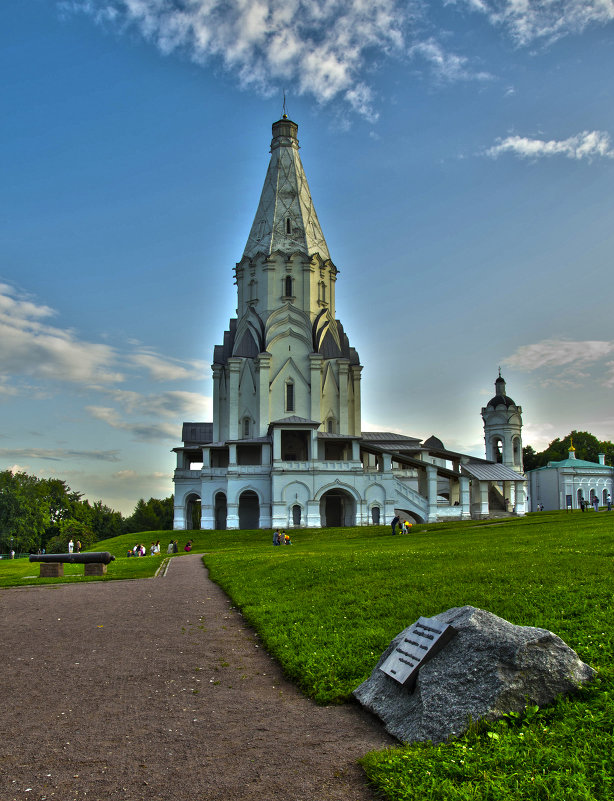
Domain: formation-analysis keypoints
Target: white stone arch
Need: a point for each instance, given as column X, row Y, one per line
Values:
column 247, row 488
column 340, row 486
column 192, row 501
column 299, row 488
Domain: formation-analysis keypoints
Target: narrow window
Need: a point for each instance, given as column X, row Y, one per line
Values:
column 289, row 397
column 288, row 286
column 246, row 427
column 329, row 426
column 288, row 226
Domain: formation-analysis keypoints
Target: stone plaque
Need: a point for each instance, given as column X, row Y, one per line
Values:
column 426, row 637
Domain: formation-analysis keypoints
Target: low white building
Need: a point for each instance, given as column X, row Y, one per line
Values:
column 564, row 484
column 286, row 447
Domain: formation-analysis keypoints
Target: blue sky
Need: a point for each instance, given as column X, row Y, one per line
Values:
column 461, row 159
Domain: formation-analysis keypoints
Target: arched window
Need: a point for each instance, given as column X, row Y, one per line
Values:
column 289, row 396
column 322, row 292
column 247, row 427
column 288, row 287
column 330, row 425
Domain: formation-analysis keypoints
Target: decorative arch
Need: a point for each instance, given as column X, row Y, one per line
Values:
column 337, row 507
column 249, row 509
column 410, row 514
column 220, row 510
column 192, row 510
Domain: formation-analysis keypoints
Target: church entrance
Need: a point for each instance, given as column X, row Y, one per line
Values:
column 220, row 511
column 192, row 512
column 337, row 508
column 249, row 510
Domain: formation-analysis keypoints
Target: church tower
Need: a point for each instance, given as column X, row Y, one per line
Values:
column 285, row 447
column 503, row 428
column 285, row 357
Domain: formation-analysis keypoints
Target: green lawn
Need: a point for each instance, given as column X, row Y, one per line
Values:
column 327, row 606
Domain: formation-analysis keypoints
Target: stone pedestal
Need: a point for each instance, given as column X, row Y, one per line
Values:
column 94, row 569
column 51, row 570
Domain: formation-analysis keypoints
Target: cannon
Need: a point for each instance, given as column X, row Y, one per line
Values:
column 52, row 564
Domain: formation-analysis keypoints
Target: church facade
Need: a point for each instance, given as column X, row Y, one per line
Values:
column 286, row 447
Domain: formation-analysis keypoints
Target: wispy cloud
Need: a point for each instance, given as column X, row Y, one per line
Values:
column 446, row 66
column 566, row 363
column 29, row 345
column 327, row 49
column 165, row 404
column 165, row 369
column 586, row 145
column 58, row 454
column 318, row 47
column 144, row 432
column 557, row 353
column 530, row 20
column 170, row 405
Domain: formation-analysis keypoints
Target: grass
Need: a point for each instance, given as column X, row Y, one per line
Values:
column 329, row 605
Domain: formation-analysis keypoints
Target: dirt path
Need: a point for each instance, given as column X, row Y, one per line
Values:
column 154, row 689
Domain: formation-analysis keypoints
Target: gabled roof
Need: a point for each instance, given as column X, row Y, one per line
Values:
column 490, row 471
column 294, row 420
column 577, row 464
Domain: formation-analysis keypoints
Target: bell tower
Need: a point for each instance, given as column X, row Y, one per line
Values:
column 503, row 428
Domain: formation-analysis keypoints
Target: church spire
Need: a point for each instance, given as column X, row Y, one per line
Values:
column 286, row 220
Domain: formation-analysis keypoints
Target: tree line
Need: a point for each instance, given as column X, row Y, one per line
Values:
column 37, row 513
column 587, row 446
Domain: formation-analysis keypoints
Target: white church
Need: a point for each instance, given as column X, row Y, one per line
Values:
column 286, row 446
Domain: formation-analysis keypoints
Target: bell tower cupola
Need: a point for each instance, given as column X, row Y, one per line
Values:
column 503, row 428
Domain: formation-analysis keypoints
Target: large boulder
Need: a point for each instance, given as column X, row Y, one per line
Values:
column 489, row 668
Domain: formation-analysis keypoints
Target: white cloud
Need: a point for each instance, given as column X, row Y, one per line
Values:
column 558, row 353
column 530, row 20
column 30, row 346
column 445, row 65
column 320, row 47
column 166, row 404
column 58, row 454
column 165, row 369
column 585, row 145
column 144, row 432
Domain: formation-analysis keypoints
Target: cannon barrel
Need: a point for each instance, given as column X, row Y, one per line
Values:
column 94, row 557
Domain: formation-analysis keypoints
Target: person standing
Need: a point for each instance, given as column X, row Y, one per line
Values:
column 394, row 523
column 71, row 545
column 609, row 502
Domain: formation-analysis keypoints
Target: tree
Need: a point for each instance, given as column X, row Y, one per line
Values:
column 24, row 511
column 35, row 513
column 587, row 446
column 152, row 515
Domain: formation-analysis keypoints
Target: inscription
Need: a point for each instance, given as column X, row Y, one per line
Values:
column 426, row 638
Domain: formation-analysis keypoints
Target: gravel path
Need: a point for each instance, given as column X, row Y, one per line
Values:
column 155, row 689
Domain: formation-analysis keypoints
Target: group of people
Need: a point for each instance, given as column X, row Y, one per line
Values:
column 281, row 538
column 74, row 547
column 154, row 548
column 404, row 525
column 594, row 501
